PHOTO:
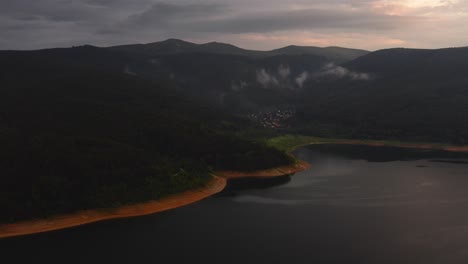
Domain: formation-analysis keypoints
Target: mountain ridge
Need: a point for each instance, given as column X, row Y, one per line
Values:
column 171, row 46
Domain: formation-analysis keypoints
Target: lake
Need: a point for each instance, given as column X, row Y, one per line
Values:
column 356, row 204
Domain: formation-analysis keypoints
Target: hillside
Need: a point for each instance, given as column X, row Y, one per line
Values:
column 90, row 127
column 410, row 94
column 335, row 54
column 413, row 94
column 77, row 132
column 240, row 80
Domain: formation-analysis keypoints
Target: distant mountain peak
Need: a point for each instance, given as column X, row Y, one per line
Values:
column 174, row 41
column 86, row 47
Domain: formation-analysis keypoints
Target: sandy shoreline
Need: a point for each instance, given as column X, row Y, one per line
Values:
column 216, row 185
column 177, row 200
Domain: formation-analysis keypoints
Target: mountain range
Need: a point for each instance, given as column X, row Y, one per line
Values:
column 417, row 94
column 88, row 127
column 174, row 46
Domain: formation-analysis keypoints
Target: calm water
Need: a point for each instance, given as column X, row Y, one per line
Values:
column 355, row 205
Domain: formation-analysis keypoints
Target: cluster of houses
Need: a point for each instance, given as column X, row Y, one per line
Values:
column 276, row 118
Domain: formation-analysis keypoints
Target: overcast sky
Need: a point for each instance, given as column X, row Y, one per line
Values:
column 253, row 24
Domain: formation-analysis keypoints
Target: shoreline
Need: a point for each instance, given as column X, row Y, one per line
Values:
column 216, row 185
column 289, row 143
column 29, row 227
column 429, row 146
column 267, row 173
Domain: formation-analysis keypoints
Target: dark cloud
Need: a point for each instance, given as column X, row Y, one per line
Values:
column 12, row 26
column 27, row 23
column 54, row 10
column 168, row 13
column 308, row 19
column 119, row 4
column 167, row 17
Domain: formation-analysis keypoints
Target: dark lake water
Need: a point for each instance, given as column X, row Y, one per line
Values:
column 356, row 204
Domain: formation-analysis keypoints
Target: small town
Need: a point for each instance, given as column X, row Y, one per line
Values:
column 276, row 118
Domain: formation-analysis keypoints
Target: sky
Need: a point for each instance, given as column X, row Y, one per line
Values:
column 251, row 24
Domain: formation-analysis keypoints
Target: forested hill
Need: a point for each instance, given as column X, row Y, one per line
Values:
column 88, row 127
column 222, row 74
column 242, row 80
column 78, row 132
column 410, row 94
column 420, row 64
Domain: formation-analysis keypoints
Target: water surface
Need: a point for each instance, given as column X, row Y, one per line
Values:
column 356, row 204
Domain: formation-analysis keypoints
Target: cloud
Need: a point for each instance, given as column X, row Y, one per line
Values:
column 166, row 16
column 117, row 3
column 301, row 78
column 49, row 10
column 310, row 19
column 265, row 79
column 339, row 72
column 284, row 71
column 128, row 71
column 202, row 17
column 282, row 77
column 238, row 86
column 358, row 23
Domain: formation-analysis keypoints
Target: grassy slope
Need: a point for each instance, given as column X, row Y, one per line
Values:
column 290, row 142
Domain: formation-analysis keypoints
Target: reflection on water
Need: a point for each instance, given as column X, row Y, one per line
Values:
column 451, row 161
column 381, row 154
column 356, row 204
column 242, row 184
column 259, row 199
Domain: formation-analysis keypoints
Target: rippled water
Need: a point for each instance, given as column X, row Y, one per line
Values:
column 356, row 204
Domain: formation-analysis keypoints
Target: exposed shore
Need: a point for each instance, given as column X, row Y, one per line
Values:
column 216, row 185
